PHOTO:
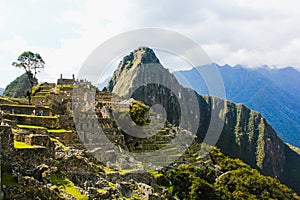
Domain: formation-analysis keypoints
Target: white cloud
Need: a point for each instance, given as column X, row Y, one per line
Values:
column 245, row 32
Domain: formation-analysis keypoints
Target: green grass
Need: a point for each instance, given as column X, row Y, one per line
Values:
column 65, row 184
column 6, row 100
column 8, row 180
column 41, row 127
column 102, row 190
column 22, row 145
column 24, row 106
column 107, row 169
column 30, row 127
column 59, row 131
column 112, row 185
column 35, row 89
column 38, row 97
column 18, row 105
column 32, row 116
column 43, row 93
column 59, row 87
column 57, row 142
column 156, row 174
column 126, row 171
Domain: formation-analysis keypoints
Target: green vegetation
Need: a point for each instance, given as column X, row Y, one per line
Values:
column 63, row 87
column 59, row 131
column 30, row 127
column 58, row 143
column 112, row 185
column 126, row 171
column 35, row 89
column 41, row 127
column 22, row 145
column 18, row 87
column 65, row 184
column 34, row 116
column 236, row 180
column 5, row 100
column 32, row 63
column 7, row 178
column 139, row 113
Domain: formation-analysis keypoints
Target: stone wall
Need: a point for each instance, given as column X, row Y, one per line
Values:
column 44, row 121
column 39, row 140
column 7, row 145
column 25, row 109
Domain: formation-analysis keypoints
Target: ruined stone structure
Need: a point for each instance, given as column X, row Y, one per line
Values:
column 65, row 81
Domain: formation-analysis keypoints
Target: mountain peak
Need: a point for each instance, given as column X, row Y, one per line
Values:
column 145, row 55
column 140, row 56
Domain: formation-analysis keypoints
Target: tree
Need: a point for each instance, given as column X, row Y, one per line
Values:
column 32, row 63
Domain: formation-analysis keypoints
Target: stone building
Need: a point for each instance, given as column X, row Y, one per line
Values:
column 65, row 81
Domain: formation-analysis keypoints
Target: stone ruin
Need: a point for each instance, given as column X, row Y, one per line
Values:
column 65, row 81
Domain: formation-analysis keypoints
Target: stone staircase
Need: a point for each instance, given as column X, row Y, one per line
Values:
column 41, row 91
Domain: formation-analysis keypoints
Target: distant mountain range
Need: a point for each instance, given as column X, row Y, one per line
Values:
column 275, row 93
column 1, row 91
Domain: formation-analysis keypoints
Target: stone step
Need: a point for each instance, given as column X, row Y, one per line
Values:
column 50, row 122
column 34, row 129
column 25, row 109
column 42, row 93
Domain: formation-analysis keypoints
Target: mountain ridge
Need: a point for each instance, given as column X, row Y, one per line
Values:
column 273, row 93
column 246, row 134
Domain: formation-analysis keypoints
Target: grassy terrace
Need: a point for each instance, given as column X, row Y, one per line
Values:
column 59, row 131
column 30, row 127
column 22, row 145
column 41, row 127
column 24, row 106
column 6, row 100
column 66, row 185
column 33, row 116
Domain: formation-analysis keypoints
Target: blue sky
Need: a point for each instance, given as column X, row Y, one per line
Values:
column 65, row 32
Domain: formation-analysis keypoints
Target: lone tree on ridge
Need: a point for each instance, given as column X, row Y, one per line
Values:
column 32, row 63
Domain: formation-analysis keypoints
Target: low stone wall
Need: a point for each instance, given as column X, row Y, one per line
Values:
column 68, row 138
column 36, row 131
column 33, row 157
column 6, row 137
column 21, row 135
column 66, row 122
column 25, row 109
column 44, row 121
column 40, row 140
column 7, row 145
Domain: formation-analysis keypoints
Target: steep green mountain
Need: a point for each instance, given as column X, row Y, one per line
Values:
column 18, row 87
column 220, row 177
column 245, row 135
column 275, row 93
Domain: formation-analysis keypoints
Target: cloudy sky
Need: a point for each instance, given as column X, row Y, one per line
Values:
column 65, row 32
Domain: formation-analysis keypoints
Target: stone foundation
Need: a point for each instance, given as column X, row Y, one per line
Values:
column 38, row 140
column 25, row 109
column 44, row 121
